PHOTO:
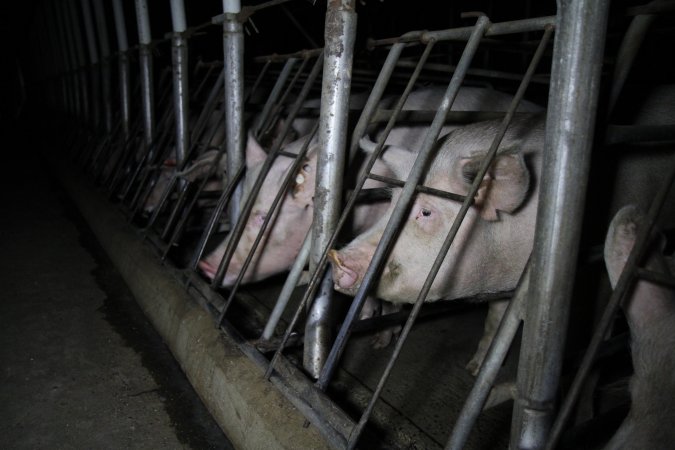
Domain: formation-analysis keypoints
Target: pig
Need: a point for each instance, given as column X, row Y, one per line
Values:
column 215, row 133
column 292, row 223
column 496, row 237
column 197, row 170
column 501, row 222
column 283, row 238
column 650, row 312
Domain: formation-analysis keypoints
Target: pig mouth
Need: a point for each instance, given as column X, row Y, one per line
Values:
column 344, row 278
column 207, row 269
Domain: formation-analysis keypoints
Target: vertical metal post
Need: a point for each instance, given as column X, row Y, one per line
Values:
column 76, row 42
column 123, row 65
column 104, row 68
column 179, row 55
column 67, row 63
column 577, row 60
column 95, row 118
column 340, row 33
column 145, row 61
column 233, row 51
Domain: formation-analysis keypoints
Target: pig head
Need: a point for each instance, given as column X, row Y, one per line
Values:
column 283, row 238
column 495, row 239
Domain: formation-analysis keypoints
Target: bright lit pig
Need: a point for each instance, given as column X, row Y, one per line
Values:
column 284, row 236
column 495, row 239
column 650, row 311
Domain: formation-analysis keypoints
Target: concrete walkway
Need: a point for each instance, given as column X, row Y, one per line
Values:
column 81, row 365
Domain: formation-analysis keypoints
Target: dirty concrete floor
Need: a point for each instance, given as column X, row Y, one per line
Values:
column 81, row 366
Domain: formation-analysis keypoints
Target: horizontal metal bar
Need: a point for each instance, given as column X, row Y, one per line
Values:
column 656, row 277
column 463, row 33
column 454, row 117
column 501, row 75
column 423, row 189
column 302, row 54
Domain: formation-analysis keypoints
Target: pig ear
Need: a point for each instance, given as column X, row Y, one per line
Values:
column 503, row 188
column 303, row 185
column 398, row 161
column 255, row 154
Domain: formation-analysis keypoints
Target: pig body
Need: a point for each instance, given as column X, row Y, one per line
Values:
column 650, row 311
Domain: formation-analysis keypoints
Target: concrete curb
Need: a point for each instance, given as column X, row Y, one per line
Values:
column 251, row 412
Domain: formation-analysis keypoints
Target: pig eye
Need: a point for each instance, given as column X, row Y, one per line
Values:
column 307, row 168
column 426, row 212
column 259, row 218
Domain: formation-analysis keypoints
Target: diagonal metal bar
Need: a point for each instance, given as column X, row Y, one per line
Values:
column 468, row 202
column 314, row 282
column 238, row 230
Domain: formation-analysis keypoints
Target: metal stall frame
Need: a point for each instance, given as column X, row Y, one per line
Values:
column 325, row 376
column 533, row 409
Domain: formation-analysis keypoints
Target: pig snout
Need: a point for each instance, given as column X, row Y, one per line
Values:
column 208, row 268
column 347, row 269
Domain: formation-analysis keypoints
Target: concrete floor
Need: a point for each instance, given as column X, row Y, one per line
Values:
column 81, row 365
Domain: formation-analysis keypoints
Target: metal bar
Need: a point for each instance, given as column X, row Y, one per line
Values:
column 464, row 33
column 287, row 290
column 256, row 84
column 340, row 34
column 233, row 51
column 105, row 69
column 220, row 206
column 314, row 281
column 375, row 96
column 498, row 74
column 123, row 66
column 76, row 41
column 475, row 401
column 630, row 45
column 272, row 98
column 302, row 54
column 145, row 61
column 468, row 202
column 401, row 209
column 421, row 188
column 238, row 229
column 577, row 60
column 93, row 69
column 288, row 179
column 179, row 57
column 623, row 285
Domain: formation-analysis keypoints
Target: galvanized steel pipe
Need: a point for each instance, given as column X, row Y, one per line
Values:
column 104, row 69
column 145, row 61
column 233, row 59
column 179, row 56
column 340, row 34
column 123, row 65
column 577, row 60
column 76, row 43
column 95, row 119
